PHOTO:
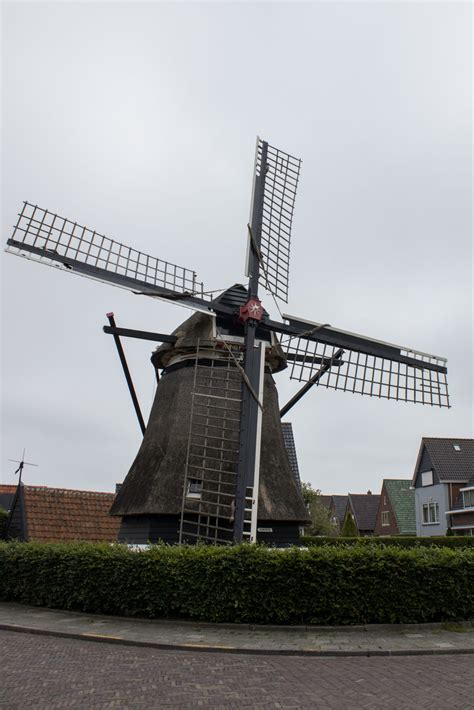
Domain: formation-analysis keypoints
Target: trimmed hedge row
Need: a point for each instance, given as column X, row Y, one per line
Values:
column 252, row 584
column 451, row 542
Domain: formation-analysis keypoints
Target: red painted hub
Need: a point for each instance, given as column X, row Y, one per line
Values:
column 253, row 309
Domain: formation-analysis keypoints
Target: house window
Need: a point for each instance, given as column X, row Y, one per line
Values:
column 427, row 478
column 194, row 488
column 385, row 517
column 385, row 500
column 430, row 513
column 468, row 499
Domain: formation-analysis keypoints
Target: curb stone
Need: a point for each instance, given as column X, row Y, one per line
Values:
column 103, row 638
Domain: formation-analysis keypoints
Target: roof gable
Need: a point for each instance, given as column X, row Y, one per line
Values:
column 402, row 499
column 340, row 505
column 364, row 508
column 58, row 514
column 450, row 464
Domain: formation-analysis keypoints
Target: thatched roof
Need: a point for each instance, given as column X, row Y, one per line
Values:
column 154, row 484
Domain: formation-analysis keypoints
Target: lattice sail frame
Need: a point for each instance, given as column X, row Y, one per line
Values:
column 281, row 181
column 367, row 374
column 57, row 241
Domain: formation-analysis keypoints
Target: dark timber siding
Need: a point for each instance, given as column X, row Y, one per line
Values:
column 16, row 526
column 425, row 465
column 144, row 529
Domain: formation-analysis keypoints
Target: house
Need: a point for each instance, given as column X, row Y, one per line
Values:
column 7, row 493
column 337, row 510
column 443, row 470
column 363, row 508
column 47, row 514
column 396, row 512
column 461, row 517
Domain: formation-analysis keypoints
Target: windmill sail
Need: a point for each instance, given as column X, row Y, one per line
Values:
column 46, row 237
column 281, row 174
column 366, row 366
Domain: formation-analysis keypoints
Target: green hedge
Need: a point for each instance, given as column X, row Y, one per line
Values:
column 253, row 584
column 3, row 522
column 452, row 542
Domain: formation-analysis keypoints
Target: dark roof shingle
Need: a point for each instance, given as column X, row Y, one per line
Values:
column 340, row 505
column 450, row 464
column 364, row 507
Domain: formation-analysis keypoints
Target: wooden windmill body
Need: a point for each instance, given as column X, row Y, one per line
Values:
column 163, row 494
column 212, row 465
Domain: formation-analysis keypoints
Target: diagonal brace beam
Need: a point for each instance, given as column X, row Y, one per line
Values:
column 314, row 380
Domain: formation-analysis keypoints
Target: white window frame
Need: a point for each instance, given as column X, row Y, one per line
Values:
column 385, row 518
column 432, row 513
column 194, row 488
column 468, row 499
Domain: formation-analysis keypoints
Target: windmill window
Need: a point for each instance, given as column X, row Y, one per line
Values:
column 194, row 488
column 430, row 513
column 456, row 447
column 385, row 517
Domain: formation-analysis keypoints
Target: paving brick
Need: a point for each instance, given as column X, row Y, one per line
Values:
column 48, row 673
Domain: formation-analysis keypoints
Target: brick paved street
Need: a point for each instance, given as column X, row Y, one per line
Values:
column 44, row 672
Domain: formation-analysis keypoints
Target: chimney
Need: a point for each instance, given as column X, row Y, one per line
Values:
column 369, row 492
column 118, row 486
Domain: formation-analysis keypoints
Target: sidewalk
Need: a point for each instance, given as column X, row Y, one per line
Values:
column 370, row 640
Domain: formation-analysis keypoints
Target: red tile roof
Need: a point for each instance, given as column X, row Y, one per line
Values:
column 4, row 488
column 58, row 514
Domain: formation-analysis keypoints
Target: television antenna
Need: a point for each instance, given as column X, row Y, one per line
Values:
column 22, row 463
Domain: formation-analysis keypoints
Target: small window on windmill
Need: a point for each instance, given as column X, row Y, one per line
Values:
column 194, row 488
column 456, row 447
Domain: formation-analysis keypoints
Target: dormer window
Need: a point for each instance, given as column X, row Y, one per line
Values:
column 456, row 447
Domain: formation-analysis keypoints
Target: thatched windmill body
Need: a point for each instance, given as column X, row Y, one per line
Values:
column 212, row 465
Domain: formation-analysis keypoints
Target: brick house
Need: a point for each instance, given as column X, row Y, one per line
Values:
column 443, row 472
column 47, row 514
column 396, row 513
column 363, row 507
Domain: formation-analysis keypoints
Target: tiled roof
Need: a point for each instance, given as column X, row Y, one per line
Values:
column 402, row 499
column 289, row 440
column 58, row 514
column 449, row 464
column 340, row 505
column 364, row 507
column 325, row 500
column 4, row 488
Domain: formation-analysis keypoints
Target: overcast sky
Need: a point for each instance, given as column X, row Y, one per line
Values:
column 139, row 121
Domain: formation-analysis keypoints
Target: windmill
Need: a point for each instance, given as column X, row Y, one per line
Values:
column 214, row 438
